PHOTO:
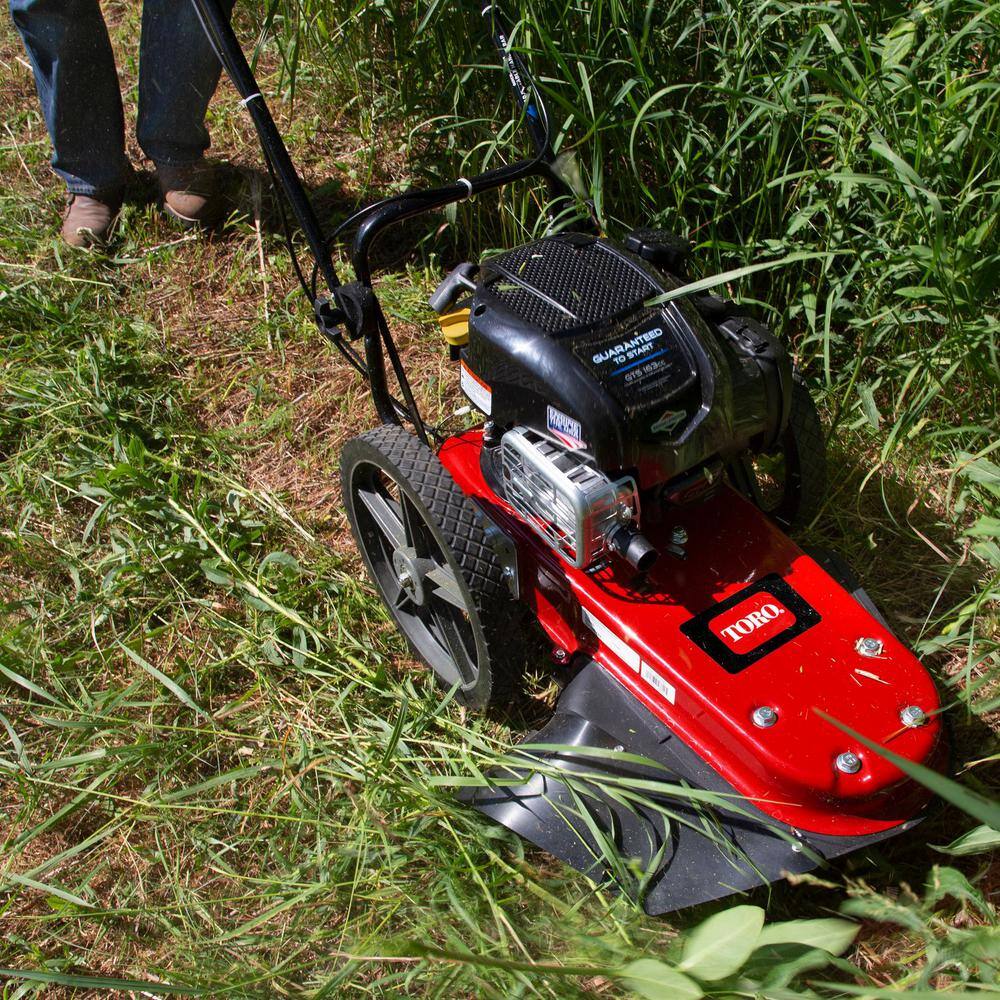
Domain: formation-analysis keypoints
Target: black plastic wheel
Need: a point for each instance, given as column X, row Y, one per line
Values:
column 789, row 483
column 425, row 547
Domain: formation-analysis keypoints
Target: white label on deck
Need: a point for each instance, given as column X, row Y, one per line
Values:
column 629, row 656
column 657, row 683
column 618, row 646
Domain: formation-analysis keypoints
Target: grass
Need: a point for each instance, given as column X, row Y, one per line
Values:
column 218, row 768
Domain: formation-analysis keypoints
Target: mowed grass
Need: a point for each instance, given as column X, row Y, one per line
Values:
column 218, row 767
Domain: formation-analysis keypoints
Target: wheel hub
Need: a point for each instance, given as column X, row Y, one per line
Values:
column 410, row 574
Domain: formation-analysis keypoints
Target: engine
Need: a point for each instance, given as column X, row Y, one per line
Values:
column 597, row 393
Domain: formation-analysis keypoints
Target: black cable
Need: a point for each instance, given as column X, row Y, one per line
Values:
column 321, row 247
column 286, row 226
column 215, row 21
column 397, row 367
column 281, row 197
column 544, row 148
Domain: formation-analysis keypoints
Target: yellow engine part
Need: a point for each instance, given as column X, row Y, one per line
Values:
column 455, row 327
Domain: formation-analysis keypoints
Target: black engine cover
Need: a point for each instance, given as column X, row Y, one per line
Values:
column 562, row 340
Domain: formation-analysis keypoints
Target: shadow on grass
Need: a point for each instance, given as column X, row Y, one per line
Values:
column 248, row 195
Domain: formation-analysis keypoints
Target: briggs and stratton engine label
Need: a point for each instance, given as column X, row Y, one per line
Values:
column 637, row 356
column 640, row 363
column 626, row 354
column 746, row 627
column 565, row 428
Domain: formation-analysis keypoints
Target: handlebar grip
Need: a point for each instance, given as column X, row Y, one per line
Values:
column 458, row 280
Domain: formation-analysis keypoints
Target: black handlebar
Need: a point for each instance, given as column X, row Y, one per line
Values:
column 406, row 206
column 536, row 117
column 219, row 30
column 357, row 307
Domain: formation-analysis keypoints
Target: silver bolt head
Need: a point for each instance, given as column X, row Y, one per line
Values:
column 848, row 762
column 619, row 748
column 913, row 716
column 764, row 717
column 561, row 655
column 869, row 647
column 679, row 535
column 404, row 578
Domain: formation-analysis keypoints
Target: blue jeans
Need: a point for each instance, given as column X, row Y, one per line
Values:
column 69, row 49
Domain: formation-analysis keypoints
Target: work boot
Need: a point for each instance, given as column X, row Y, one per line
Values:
column 189, row 194
column 87, row 222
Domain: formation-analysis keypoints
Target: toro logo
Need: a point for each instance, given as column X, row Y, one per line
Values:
column 752, row 622
column 749, row 625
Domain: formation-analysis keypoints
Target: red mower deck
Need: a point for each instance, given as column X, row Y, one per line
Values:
column 747, row 620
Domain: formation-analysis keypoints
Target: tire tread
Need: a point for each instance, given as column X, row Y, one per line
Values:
column 503, row 620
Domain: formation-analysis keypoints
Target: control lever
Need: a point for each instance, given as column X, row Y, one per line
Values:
column 458, row 280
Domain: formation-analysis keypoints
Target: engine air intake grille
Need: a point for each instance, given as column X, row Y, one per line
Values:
column 560, row 283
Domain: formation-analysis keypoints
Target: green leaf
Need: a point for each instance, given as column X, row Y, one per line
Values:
column 725, row 277
column 891, row 993
column 147, row 986
column 172, row 686
column 980, row 470
column 869, row 406
column 831, row 934
column 236, row 775
column 654, row 980
column 280, row 558
column 213, row 573
column 26, row 684
column 898, row 42
column 945, row 881
column 885, row 911
column 978, row 806
column 975, row 841
column 719, row 946
column 52, row 890
column 778, row 965
column 985, row 527
column 989, row 552
column 921, row 293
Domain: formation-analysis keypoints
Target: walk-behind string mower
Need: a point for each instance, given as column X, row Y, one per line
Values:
column 626, row 496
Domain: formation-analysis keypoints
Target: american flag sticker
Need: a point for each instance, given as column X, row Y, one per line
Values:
column 565, row 428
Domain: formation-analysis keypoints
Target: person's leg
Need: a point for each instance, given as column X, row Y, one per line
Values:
column 178, row 73
column 67, row 43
